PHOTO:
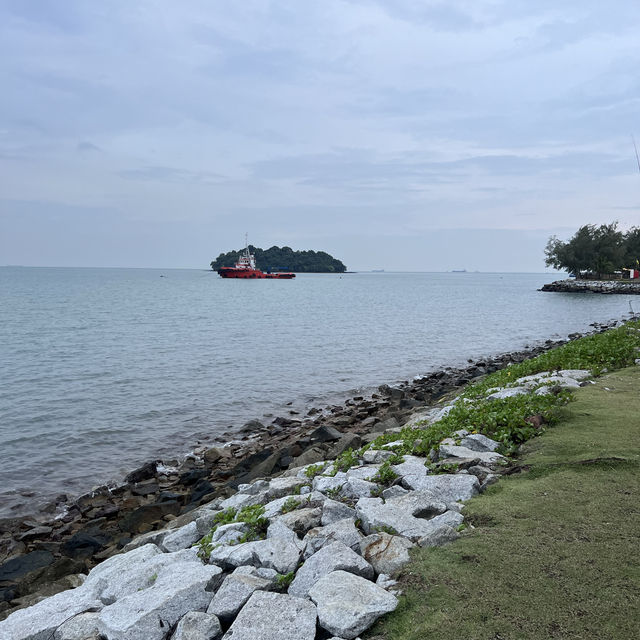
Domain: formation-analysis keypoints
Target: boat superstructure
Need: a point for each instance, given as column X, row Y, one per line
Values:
column 246, row 268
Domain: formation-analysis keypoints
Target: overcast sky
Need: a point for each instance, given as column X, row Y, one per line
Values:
column 395, row 134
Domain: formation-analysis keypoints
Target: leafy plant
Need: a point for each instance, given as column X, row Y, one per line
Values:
column 313, row 470
column 345, row 461
column 396, row 458
column 334, row 493
column 290, row 505
column 284, row 580
column 383, row 528
column 252, row 516
column 385, row 476
column 446, row 467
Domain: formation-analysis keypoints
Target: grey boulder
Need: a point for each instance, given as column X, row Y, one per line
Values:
column 197, row 625
column 182, row 538
column 348, row 605
column 334, row 556
column 442, row 529
column 274, row 616
column 387, row 554
column 343, row 531
column 149, row 613
column 236, row 589
column 478, row 442
column 446, row 487
column 332, row 511
column 406, row 515
column 84, row 625
column 463, row 453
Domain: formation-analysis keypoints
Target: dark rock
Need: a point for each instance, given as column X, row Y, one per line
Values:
column 344, row 421
column 36, row 532
column 325, row 433
column 213, row 455
column 141, row 517
column 7, row 593
column 60, row 568
column 145, row 472
column 348, row 441
column 202, row 488
column 389, row 423
column 145, row 489
column 83, row 545
column 170, row 496
column 252, row 426
column 409, row 403
column 311, row 456
column 108, row 511
column 191, row 477
column 263, row 466
column 16, row 568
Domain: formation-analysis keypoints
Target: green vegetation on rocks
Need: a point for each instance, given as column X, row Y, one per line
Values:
column 285, row 259
column 509, row 420
column 553, row 549
column 252, row 516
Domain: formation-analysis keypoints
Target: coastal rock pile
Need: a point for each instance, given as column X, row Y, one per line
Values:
column 45, row 553
column 305, row 555
column 572, row 285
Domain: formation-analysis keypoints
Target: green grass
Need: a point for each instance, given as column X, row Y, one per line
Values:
column 554, row 552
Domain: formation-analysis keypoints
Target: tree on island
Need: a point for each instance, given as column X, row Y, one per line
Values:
column 284, row 259
column 595, row 250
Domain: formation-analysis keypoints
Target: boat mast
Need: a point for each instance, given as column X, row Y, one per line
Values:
column 636, row 150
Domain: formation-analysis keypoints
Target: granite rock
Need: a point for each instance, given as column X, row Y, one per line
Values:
column 347, row 604
column 334, row 556
column 274, row 616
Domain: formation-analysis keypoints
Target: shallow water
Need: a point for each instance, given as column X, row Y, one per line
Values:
column 105, row 368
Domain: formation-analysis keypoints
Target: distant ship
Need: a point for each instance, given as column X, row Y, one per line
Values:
column 458, row 271
column 246, row 268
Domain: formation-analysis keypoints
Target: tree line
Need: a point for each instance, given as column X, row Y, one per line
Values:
column 595, row 250
column 284, row 259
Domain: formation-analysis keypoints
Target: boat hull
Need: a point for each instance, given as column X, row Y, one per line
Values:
column 253, row 274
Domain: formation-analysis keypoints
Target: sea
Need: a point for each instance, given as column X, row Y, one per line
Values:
column 104, row 369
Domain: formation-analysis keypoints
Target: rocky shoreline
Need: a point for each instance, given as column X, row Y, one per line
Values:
column 572, row 285
column 49, row 553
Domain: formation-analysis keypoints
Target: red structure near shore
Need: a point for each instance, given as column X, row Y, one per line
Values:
column 246, row 268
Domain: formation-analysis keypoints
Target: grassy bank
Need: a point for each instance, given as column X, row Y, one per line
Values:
column 554, row 552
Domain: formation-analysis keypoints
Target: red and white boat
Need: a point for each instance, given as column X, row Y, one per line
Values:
column 246, row 268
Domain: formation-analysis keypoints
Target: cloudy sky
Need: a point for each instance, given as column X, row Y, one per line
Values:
column 397, row 134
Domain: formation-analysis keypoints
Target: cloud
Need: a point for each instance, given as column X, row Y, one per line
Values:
column 85, row 146
column 170, row 174
column 315, row 119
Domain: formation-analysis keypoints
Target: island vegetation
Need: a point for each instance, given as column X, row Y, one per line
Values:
column 600, row 252
column 284, row 259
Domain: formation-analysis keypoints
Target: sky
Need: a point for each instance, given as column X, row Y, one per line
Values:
column 394, row 134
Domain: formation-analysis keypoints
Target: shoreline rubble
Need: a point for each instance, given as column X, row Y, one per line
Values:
column 159, row 503
column 606, row 287
column 301, row 579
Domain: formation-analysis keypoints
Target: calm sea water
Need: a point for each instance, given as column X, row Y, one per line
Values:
column 102, row 369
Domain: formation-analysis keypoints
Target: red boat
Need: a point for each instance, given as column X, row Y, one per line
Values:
column 246, row 268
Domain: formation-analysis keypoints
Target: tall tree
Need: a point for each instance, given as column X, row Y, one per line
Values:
column 601, row 250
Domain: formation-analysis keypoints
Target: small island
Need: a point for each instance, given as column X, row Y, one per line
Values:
column 284, row 259
column 600, row 260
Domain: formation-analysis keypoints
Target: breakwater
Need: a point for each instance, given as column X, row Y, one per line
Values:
column 572, row 285
column 312, row 553
column 45, row 554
